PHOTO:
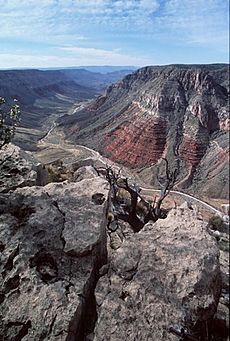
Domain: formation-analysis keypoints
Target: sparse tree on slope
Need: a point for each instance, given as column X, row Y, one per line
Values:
column 8, row 121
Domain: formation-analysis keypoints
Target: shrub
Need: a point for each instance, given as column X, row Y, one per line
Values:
column 53, row 176
column 216, row 222
column 8, row 121
column 58, row 173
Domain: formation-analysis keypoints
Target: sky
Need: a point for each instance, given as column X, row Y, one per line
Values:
column 64, row 33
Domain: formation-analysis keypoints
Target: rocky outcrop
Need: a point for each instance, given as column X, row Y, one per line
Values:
column 165, row 276
column 97, row 103
column 52, row 242
column 19, row 169
column 155, row 112
column 69, row 271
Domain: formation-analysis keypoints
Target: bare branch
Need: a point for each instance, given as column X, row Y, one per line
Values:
column 167, row 185
column 132, row 207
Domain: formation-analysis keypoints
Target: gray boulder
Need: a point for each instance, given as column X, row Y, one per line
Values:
column 52, row 243
column 86, row 172
column 166, row 276
column 19, row 169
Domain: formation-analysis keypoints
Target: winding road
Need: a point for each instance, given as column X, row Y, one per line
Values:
column 150, row 191
column 147, row 191
column 187, row 196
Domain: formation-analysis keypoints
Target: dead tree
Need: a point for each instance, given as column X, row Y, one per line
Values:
column 166, row 184
column 134, row 209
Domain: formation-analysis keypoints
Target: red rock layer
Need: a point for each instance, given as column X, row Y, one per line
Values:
column 140, row 140
column 192, row 150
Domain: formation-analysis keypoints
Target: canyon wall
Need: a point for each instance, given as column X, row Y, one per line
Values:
column 176, row 111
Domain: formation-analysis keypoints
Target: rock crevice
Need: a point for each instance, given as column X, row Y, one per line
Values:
column 160, row 282
column 66, row 274
column 50, row 262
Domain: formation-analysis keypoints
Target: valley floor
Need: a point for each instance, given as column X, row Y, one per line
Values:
column 54, row 147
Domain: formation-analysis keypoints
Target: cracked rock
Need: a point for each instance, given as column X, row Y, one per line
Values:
column 50, row 259
column 19, row 169
column 166, row 275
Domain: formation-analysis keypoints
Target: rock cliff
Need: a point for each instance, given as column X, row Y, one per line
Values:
column 161, row 111
column 65, row 276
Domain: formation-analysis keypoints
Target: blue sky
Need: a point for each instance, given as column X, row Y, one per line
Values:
column 55, row 33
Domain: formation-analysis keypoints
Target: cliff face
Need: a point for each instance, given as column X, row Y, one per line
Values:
column 158, row 112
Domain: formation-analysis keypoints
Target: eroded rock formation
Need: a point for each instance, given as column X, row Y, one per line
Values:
column 52, row 243
column 19, row 169
column 141, row 139
column 159, row 111
column 55, row 248
column 166, row 275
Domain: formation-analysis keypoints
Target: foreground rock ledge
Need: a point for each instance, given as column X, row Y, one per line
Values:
column 166, row 275
column 52, row 242
column 19, row 169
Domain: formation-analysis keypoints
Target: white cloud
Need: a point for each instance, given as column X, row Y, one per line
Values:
column 46, row 17
column 101, row 57
column 73, row 57
column 191, row 20
column 197, row 21
column 98, row 23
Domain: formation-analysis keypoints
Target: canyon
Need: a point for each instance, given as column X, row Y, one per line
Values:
column 176, row 111
column 71, row 272
column 45, row 95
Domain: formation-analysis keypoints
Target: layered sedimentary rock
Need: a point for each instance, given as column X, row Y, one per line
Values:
column 158, row 112
column 139, row 140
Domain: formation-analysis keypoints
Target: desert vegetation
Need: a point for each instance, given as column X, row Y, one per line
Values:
column 216, row 223
column 9, row 119
column 57, row 172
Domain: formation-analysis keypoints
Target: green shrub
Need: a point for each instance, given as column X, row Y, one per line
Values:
column 9, row 119
column 216, row 222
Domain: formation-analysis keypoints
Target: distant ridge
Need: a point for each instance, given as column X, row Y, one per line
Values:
column 108, row 68
column 92, row 68
column 96, row 68
column 45, row 95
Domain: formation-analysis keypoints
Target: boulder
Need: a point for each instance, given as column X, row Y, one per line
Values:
column 162, row 279
column 82, row 163
column 19, row 169
column 86, row 172
column 225, row 209
column 52, row 243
